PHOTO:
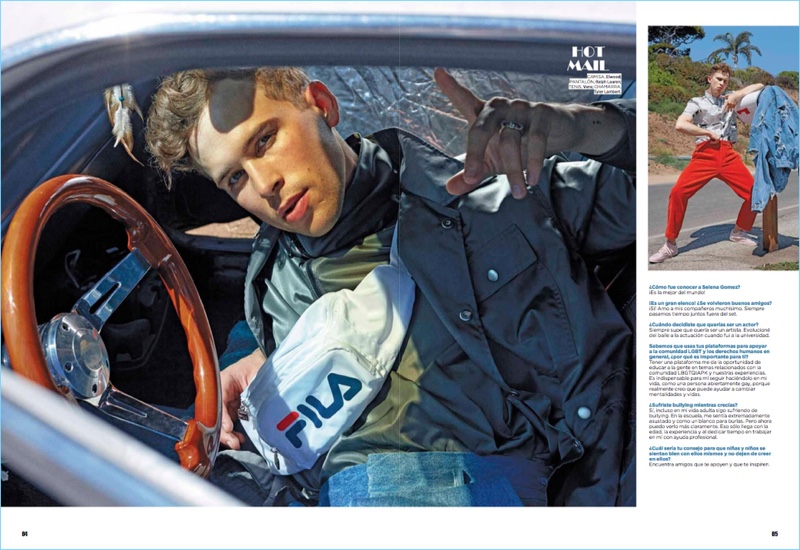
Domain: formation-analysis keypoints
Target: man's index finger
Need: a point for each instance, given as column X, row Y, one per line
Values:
column 467, row 103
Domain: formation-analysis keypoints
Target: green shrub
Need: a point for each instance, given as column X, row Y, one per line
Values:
column 672, row 162
column 667, row 107
column 667, row 100
column 687, row 73
column 754, row 75
column 693, row 76
column 659, row 76
column 658, row 93
column 787, row 79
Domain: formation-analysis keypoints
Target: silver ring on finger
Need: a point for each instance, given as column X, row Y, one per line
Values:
column 511, row 125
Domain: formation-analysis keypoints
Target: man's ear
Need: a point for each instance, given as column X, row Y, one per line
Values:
column 318, row 95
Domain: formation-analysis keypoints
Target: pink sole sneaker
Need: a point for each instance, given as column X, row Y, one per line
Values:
column 742, row 238
column 666, row 252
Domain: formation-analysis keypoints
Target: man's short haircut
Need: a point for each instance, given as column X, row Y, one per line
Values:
column 181, row 98
column 723, row 68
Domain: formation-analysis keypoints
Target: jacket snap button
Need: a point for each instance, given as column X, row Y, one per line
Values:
column 447, row 223
column 465, row 315
column 492, row 275
column 584, row 413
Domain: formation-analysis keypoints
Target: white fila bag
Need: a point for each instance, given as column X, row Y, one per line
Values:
column 328, row 369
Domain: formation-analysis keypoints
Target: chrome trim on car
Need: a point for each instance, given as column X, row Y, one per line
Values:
column 340, row 26
column 80, row 460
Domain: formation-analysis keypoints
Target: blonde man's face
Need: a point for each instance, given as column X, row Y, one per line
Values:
column 283, row 163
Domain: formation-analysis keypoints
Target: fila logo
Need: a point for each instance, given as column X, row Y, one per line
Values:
column 336, row 382
column 744, row 110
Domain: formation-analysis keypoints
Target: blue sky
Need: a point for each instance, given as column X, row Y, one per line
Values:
column 778, row 45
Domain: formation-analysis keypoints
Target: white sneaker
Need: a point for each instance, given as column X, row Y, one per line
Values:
column 741, row 237
column 666, row 252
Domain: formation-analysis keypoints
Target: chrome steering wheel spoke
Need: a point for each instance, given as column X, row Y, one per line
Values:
column 78, row 357
column 128, row 409
column 103, row 298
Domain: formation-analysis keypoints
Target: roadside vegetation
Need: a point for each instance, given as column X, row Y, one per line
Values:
column 780, row 266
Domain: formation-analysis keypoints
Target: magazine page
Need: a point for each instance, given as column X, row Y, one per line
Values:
column 719, row 390
column 365, row 275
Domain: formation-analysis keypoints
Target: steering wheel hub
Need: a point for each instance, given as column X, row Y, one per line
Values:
column 76, row 355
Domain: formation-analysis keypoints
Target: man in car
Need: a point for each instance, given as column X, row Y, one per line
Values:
column 710, row 119
column 512, row 383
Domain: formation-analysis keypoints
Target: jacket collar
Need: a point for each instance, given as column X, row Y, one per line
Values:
column 715, row 100
column 420, row 164
column 368, row 205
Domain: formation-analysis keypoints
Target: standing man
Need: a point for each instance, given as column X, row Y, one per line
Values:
column 712, row 121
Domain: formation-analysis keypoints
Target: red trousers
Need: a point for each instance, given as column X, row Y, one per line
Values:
column 710, row 160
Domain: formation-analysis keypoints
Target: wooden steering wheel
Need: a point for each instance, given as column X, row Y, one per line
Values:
column 67, row 354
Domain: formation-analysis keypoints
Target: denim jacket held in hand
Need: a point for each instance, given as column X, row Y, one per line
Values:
column 773, row 138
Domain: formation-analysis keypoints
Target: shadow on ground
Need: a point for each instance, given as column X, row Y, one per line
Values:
column 707, row 236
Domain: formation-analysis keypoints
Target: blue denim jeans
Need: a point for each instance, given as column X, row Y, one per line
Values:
column 438, row 479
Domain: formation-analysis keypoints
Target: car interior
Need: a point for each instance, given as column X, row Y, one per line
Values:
column 146, row 345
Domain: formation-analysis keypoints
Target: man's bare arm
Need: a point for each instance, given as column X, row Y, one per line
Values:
column 685, row 125
column 734, row 98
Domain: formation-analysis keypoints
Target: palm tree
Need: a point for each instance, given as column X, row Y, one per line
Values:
column 736, row 46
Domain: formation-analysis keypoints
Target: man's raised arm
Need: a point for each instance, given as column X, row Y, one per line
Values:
column 512, row 137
